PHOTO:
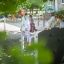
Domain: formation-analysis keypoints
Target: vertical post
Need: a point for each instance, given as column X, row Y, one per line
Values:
column 38, row 18
column 56, row 5
column 44, row 20
column 4, row 23
column 22, row 42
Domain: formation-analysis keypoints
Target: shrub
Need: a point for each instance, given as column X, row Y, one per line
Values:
column 59, row 14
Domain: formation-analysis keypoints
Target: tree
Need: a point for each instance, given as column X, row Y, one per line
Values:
column 8, row 6
column 31, row 4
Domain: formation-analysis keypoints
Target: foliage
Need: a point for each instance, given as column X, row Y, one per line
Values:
column 59, row 14
column 37, row 4
column 44, row 55
column 2, row 36
column 26, row 4
column 34, row 5
column 8, row 6
column 15, row 55
column 28, row 57
column 31, row 4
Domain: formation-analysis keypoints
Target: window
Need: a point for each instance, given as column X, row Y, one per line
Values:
column 62, row 1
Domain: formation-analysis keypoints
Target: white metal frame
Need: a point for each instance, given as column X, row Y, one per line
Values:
column 62, row 2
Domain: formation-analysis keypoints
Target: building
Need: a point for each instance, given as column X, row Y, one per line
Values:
column 58, row 4
column 55, row 5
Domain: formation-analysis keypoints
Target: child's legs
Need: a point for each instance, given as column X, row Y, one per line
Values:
column 29, row 38
column 22, row 39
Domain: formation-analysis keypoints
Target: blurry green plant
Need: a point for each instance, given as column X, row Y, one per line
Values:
column 36, row 53
column 44, row 55
column 1, row 52
column 3, row 36
column 7, row 6
column 15, row 55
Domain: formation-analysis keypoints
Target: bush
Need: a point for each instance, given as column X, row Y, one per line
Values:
column 15, row 55
column 59, row 14
column 2, row 36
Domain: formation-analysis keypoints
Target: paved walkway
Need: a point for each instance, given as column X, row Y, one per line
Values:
column 8, row 27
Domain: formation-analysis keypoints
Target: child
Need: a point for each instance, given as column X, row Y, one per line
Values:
column 32, row 25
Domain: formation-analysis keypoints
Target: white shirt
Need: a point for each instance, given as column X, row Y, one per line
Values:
column 25, row 24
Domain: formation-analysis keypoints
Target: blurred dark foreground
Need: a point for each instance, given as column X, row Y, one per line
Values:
column 55, row 42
